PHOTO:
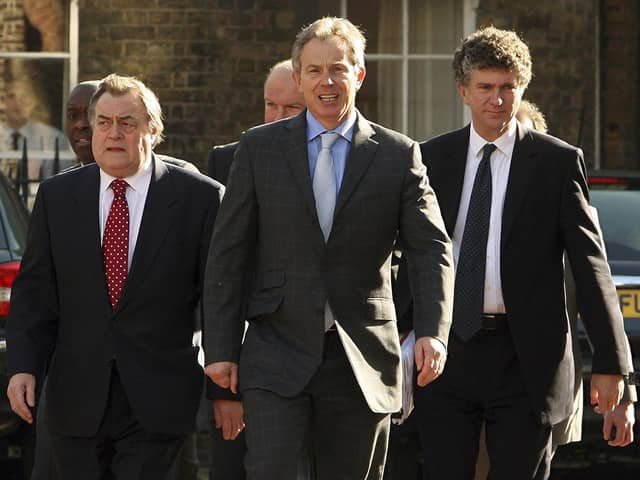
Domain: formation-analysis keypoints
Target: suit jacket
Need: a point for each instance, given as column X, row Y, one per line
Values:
column 60, row 311
column 268, row 224
column 546, row 211
column 220, row 158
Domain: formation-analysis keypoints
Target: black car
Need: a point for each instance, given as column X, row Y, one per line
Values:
column 616, row 197
column 13, row 235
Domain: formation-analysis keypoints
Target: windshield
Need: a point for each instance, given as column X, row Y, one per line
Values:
column 619, row 214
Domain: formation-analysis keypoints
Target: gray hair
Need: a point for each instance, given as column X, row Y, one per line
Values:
column 119, row 85
column 328, row 27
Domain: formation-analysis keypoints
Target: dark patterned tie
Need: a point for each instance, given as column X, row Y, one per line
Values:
column 468, row 300
column 115, row 244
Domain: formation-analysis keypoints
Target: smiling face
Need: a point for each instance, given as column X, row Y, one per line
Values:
column 78, row 127
column 121, row 141
column 494, row 96
column 328, row 80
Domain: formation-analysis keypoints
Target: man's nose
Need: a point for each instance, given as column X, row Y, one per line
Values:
column 496, row 98
column 114, row 131
column 82, row 122
column 327, row 79
column 280, row 113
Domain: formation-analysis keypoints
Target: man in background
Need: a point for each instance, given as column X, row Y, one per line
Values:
column 21, row 102
column 78, row 126
column 282, row 99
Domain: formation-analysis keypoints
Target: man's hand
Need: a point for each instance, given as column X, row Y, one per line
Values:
column 223, row 374
column 606, row 392
column 22, row 395
column 228, row 415
column 622, row 418
column 431, row 355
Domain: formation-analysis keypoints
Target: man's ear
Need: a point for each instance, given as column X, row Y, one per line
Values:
column 462, row 91
column 360, row 77
column 296, row 79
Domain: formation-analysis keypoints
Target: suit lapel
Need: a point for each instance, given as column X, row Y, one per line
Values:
column 520, row 174
column 363, row 149
column 87, row 214
column 297, row 157
column 157, row 217
column 451, row 175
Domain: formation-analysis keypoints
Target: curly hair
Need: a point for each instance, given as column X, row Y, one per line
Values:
column 325, row 28
column 492, row 47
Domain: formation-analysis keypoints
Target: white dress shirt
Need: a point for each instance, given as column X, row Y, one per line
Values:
column 500, row 164
column 136, row 199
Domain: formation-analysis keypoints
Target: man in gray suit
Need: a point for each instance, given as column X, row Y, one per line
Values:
column 317, row 223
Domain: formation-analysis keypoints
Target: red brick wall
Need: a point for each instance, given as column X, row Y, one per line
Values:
column 206, row 60
column 560, row 35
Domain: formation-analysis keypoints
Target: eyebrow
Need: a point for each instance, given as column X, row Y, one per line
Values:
column 124, row 117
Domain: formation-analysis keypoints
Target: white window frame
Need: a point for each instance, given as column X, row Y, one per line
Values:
column 71, row 72
column 404, row 57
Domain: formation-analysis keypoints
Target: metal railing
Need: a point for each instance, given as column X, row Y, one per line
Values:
column 16, row 166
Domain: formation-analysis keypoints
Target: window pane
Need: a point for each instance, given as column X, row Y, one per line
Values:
column 31, row 111
column 381, row 22
column 434, row 26
column 434, row 107
column 380, row 97
column 33, row 26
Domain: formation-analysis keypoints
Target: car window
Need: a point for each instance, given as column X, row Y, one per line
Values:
column 618, row 214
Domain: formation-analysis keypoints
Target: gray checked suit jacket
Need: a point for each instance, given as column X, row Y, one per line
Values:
column 267, row 224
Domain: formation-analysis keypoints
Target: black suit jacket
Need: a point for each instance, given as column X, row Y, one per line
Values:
column 268, row 225
column 220, row 159
column 60, row 312
column 545, row 213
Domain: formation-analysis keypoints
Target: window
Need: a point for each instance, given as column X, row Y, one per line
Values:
column 410, row 43
column 37, row 66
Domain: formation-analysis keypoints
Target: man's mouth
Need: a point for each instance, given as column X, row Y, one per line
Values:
column 82, row 142
column 328, row 97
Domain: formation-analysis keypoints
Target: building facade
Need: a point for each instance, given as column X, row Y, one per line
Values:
column 207, row 59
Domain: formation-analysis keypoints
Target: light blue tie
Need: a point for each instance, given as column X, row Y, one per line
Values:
column 324, row 191
column 324, row 184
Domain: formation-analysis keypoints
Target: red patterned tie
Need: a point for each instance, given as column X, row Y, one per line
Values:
column 115, row 244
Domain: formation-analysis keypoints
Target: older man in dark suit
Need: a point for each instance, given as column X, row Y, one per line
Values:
column 513, row 201
column 106, row 301
column 313, row 207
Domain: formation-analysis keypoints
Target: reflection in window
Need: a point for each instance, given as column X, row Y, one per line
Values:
column 34, row 66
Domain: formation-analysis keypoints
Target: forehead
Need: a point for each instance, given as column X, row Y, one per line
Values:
column 119, row 105
column 319, row 51
column 281, row 84
column 81, row 95
column 493, row 76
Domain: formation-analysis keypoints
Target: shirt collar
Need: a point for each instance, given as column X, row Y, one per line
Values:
column 504, row 142
column 345, row 129
column 137, row 181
